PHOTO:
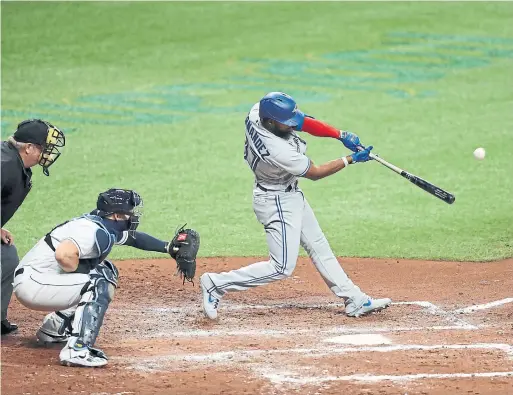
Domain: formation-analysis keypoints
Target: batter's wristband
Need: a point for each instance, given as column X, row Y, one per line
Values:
column 346, row 163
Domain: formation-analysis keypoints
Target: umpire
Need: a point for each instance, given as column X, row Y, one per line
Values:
column 34, row 142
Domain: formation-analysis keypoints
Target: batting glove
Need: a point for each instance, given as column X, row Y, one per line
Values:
column 350, row 140
column 363, row 155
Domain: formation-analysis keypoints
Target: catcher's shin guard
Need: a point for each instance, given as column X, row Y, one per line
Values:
column 96, row 297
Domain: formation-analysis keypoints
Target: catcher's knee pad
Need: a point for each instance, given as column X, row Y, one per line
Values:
column 56, row 327
column 96, row 297
column 107, row 270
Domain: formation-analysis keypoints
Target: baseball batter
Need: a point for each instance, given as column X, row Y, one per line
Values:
column 276, row 155
column 67, row 272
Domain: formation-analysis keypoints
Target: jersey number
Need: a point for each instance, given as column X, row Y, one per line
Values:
column 250, row 156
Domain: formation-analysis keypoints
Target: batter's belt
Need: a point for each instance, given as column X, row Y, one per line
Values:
column 290, row 188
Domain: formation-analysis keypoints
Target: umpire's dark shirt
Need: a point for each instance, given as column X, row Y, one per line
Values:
column 16, row 181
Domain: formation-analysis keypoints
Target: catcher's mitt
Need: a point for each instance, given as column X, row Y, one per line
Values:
column 183, row 248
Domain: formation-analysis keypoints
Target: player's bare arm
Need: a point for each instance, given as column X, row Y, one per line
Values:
column 317, row 172
column 67, row 255
column 327, row 169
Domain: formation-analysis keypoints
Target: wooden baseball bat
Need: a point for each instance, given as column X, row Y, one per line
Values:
column 421, row 183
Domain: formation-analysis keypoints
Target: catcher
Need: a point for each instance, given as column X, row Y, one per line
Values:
column 67, row 272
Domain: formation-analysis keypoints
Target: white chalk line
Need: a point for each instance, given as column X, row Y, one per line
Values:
column 280, row 378
column 288, row 332
column 245, row 355
column 237, row 307
column 446, row 315
column 485, row 306
column 155, row 363
column 427, row 306
column 457, row 324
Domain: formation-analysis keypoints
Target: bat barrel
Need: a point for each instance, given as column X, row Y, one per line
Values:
column 429, row 188
column 423, row 184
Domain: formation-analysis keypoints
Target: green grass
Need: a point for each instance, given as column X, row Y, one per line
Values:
column 153, row 97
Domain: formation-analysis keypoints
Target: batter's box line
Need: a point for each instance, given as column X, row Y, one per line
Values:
column 296, row 378
column 282, row 378
column 288, row 332
column 431, row 308
column 158, row 362
column 484, row 306
column 438, row 311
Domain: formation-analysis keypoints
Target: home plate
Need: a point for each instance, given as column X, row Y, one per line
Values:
column 360, row 339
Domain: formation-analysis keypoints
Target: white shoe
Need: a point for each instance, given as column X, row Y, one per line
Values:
column 370, row 306
column 82, row 357
column 210, row 303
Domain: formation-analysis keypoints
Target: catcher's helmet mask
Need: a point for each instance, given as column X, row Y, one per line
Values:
column 121, row 201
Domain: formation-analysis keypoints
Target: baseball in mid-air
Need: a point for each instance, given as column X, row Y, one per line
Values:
column 479, row 153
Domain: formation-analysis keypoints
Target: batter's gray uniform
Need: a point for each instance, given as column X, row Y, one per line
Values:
column 288, row 219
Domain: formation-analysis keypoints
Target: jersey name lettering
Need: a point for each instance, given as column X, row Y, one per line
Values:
column 259, row 144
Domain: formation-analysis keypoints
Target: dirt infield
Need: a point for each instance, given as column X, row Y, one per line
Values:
column 449, row 331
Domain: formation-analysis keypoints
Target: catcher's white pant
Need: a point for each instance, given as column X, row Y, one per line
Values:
column 289, row 222
column 49, row 290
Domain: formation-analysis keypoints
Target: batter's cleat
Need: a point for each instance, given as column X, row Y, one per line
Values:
column 210, row 303
column 370, row 306
column 82, row 356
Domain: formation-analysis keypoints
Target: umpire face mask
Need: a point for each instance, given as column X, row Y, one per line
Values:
column 44, row 135
column 50, row 150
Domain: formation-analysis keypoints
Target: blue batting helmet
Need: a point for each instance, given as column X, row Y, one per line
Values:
column 281, row 108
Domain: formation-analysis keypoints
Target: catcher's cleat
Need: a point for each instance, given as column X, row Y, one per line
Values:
column 370, row 306
column 82, row 356
column 210, row 302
